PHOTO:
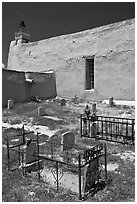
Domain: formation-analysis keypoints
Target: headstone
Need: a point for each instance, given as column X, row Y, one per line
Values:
column 31, row 151
column 111, row 101
column 85, row 126
column 93, row 129
column 94, row 110
column 91, row 173
column 41, row 111
column 10, row 104
column 87, row 111
column 75, row 100
column 62, row 102
column 68, row 138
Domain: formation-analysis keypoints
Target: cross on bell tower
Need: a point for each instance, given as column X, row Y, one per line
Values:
column 22, row 36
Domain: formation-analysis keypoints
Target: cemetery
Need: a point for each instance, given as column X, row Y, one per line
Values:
column 60, row 141
column 68, row 150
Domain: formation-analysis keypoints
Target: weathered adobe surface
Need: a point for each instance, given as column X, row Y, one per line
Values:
column 15, row 86
column 114, row 49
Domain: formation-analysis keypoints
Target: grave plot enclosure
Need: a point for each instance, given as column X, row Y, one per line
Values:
column 108, row 128
column 79, row 169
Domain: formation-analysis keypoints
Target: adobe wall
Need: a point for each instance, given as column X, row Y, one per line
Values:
column 13, row 86
column 44, row 85
column 114, row 49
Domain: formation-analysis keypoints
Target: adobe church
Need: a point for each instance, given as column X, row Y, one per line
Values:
column 92, row 64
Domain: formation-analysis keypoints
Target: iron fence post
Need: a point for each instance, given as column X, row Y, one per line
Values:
column 102, row 128
column 51, row 150
column 67, row 157
column 57, row 175
column 23, row 134
column 8, row 154
column 38, row 155
column 97, row 126
column 111, row 129
column 105, row 156
column 126, row 132
column 132, row 131
column 22, row 163
column 116, row 131
column 81, row 125
column 19, row 154
column 89, row 122
column 79, row 172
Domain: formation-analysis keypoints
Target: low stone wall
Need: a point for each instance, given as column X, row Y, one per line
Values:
column 13, row 86
column 44, row 85
column 21, row 86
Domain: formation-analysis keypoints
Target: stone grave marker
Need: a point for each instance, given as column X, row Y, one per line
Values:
column 10, row 104
column 93, row 129
column 111, row 101
column 75, row 100
column 68, row 138
column 31, row 151
column 41, row 111
column 94, row 110
column 91, row 173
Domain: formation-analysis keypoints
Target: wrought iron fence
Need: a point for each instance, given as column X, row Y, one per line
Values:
column 73, row 163
column 116, row 129
column 108, row 128
column 92, row 168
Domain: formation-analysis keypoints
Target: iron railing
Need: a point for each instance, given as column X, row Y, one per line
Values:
column 115, row 129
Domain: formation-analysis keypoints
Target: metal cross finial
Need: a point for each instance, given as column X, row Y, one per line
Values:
column 22, row 24
column 21, row 17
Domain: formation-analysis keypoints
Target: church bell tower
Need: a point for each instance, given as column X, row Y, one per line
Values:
column 22, row 36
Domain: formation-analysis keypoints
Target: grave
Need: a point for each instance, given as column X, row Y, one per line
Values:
column 75, row 100
column 31, row 151
column 93, row 129
column 31, row 160
column 10, row 104
column 94, row 109
column 91, row 175
column 68, row 138
column 111, row 101
column 41, row 111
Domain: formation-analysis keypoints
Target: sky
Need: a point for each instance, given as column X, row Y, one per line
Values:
column 48, row 19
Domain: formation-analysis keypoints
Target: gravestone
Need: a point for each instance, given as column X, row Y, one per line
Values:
column 68, row 138
column 31, row 151
column 62, row 102
column 111, row 101
column 91, row 174
column 75, row 100
column 10, row 104
column 94, row 110
column 41, row 111
column 93, row 129
column 85, row 125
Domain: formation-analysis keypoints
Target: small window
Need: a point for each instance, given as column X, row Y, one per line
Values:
column 89, row 81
